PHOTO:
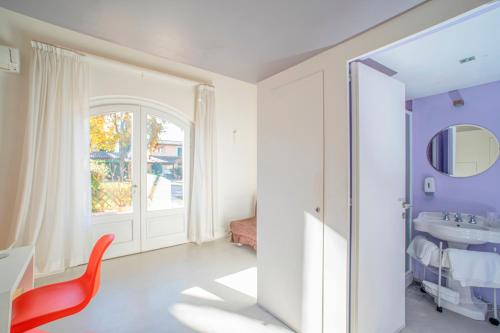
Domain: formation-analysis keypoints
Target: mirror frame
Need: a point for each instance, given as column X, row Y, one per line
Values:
column 427, row 150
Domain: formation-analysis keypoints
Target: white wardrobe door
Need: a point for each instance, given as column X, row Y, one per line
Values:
column 290, row 200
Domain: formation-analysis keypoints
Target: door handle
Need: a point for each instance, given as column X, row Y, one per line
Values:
column 404, row 204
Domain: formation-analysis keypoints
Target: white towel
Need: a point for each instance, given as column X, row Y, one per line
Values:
column 445, row 293
column 474, row 268
column 424, row 251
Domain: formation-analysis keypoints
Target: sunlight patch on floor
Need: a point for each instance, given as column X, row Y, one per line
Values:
column 201, row 293
column 205, row 319
column 244, row 281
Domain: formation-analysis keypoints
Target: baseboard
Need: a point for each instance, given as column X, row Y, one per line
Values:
column 221, row 233
column 263, row 308
column 408, row 278
column 38, row 275
column 401, row 329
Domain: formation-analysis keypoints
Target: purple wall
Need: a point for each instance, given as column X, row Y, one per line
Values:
column 478, row 194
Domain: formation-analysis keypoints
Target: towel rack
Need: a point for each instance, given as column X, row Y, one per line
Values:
column 439, row 308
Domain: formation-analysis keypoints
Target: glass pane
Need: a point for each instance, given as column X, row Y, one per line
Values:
column 111, row 162
column 165, row 186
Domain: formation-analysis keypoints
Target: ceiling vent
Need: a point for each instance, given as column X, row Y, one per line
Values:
column 466, row 60
column 456, row 98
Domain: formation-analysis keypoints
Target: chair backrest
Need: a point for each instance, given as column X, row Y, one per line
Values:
column 93, row 273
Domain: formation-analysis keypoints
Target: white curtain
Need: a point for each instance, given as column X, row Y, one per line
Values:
column 54, row 203
column 203, row 202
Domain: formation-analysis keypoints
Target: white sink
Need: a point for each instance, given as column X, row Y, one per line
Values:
column 458, row 234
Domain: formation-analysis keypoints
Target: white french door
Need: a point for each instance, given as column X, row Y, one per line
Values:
column 115, row 175
column 164, row 179
column 139, row 177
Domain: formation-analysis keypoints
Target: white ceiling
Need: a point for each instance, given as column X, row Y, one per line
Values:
column 430, row 65
column 245, row 39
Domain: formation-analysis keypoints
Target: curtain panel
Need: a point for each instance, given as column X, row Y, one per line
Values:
column 203, row 204
column 54, row 203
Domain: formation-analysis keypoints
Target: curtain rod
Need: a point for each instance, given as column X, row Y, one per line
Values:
column 84, row 54
column 62, row 47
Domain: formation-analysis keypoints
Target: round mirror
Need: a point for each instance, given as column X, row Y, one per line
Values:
column 463, row 150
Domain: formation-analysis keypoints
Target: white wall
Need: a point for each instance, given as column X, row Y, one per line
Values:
column 236, row 104
column 333, row 63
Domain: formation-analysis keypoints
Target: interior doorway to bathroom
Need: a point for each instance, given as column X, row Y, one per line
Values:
column 425, row 129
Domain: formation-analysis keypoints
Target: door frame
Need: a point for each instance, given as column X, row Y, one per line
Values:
column 133, row 100
column 168, row 113
column 409, row 192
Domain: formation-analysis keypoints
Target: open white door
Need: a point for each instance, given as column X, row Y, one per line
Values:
column 378, row 189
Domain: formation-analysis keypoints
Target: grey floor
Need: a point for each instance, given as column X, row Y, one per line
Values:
column 186, row 288
column 422, row 317
column 209, row 288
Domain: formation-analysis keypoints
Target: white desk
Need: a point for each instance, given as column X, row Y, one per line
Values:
column 16, row 275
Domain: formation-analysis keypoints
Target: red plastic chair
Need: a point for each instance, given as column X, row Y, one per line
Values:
column 46, row 304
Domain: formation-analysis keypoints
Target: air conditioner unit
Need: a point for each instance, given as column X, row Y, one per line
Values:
column 9, row 59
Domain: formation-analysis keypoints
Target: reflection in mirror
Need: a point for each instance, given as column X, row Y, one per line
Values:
column 463, row 150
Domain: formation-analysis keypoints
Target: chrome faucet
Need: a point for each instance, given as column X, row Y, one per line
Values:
column 458, row 217
column 446, row 216
column 472, row 219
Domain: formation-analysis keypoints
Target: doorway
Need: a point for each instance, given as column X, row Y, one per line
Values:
column 448, row 100
column 140, row 166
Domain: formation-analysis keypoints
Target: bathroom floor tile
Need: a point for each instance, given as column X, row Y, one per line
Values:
column 422, row 317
